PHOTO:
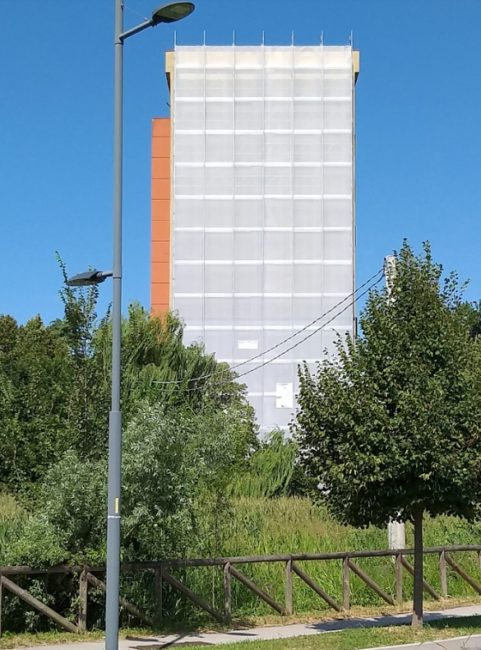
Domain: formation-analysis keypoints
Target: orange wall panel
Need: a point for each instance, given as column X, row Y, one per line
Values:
column 158, row 146
column 160, row 231
column 159, row 309
column 162, row 292
column 160, row 218
column 161, row 210
column 161, row 189
column 161, row 127
column 160, row 168
column 160, row 251
column 160, row 272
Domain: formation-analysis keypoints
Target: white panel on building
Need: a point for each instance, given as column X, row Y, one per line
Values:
column 263, row 222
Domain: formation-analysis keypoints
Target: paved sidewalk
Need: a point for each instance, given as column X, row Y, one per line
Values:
column 287, row 631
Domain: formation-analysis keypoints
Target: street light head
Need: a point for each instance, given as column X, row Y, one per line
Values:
column 88, row 278
column 171, row 12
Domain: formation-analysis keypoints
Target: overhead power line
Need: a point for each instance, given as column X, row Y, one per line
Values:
column 316, row 331
column 316, row 320
column 369, row 284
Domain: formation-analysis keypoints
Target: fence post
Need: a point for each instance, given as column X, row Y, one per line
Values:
column 158, row 584
column 227, row 592
column 399, row 578
column 346, row 588
column 1, row 603
column 443, row 574
column 83, row 600
column 288, row 587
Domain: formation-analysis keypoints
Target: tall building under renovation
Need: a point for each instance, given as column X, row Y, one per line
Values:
column 253, row 209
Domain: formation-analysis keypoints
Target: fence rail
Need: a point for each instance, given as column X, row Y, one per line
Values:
column 162, row 574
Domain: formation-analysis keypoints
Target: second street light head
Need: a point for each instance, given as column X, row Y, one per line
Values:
column 88, row 278
column 171, row 12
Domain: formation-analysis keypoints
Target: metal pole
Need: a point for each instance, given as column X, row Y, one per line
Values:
column 115, row 416
column 396, row 532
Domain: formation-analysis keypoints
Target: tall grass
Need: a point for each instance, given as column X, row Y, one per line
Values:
column 11, row 514
column 259, row 526
column 263, row 526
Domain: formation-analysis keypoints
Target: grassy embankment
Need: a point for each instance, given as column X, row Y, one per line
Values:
column 262, row 527
column 294, row 525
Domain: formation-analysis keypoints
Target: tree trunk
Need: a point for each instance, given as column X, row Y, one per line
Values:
column 417, row 620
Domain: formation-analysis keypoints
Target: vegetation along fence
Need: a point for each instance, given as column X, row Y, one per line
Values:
column 229, row 568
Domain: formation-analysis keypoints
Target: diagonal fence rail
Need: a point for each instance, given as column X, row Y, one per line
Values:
column 229, row 566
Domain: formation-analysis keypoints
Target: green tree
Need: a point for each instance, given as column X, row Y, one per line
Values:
column 176, row 466
column 158, row 368
column 89, row 389
column 392, row 426
column 55, row 381
column 474, row 316
column 273, row 470
column 34, row 389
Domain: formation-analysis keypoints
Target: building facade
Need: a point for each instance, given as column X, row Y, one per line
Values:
column 253, row 228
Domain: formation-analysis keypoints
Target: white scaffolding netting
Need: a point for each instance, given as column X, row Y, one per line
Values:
column 263, row 222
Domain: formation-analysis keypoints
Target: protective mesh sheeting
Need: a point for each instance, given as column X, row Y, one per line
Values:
column 263, row 208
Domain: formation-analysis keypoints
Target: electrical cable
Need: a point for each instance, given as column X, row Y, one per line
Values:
column 353, row 299
column 265, row 363
column 303, row 329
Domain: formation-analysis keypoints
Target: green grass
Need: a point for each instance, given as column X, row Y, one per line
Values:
column 357, row 639
column 354, row 639
column 57, row 637
column 11, row 517
column 294, row 525
column 258, row 526
column 9, row 507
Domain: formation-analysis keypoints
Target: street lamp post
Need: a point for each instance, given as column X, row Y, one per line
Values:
column 167, row 13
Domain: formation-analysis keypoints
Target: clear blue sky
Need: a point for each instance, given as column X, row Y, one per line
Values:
column 418, row 130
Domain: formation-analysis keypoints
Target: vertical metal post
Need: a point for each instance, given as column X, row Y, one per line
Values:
column 115, row 416
column 396, row 534
column 396, row 530
column 288, row 588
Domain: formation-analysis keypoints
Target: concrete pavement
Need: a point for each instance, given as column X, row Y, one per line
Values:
column 155, row 642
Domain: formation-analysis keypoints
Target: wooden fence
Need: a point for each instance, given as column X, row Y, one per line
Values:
column 162, row 572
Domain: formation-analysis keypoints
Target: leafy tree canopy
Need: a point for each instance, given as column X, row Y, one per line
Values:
column 176, row 466
column 392, row 426
column 55, row 382
column 394, row 422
